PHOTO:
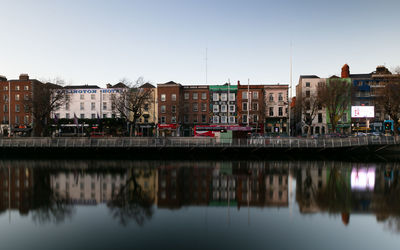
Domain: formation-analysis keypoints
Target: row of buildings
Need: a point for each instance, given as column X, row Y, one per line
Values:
column 366, row 90
column 175, row 109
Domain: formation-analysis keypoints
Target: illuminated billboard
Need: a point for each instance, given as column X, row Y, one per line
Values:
column 363, row 178
column 362, row 112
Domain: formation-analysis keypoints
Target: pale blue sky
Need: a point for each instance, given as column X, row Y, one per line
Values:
column 96, row 42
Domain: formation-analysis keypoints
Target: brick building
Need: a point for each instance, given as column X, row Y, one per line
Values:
column 169, row 97
column 15, row 113
column 250, row 106
column 147, row 122
column 195, row 107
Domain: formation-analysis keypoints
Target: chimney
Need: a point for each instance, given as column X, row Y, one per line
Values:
column 238, row 83
column 345, row 71
column 23, row 77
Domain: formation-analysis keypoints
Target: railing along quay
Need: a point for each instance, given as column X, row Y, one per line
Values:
column 194, row 142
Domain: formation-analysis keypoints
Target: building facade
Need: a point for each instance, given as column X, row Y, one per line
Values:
column 195, row 107
column 15, row 113
column 223, row 104
column 169, row 97
column 276, row 108
column 147, row 122
column 250, row 105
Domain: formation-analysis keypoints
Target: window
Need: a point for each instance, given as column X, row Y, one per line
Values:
column 224, row 97
column 255, row 118
column 104, row 105
column 104, row 115
column 67, row 115
column 255, row 95
column 224, row 119
column 5, row 108
column 17, row 87
column 319, row 106
column 232, row 108
column 82, row 116
column 195, row 107
column 307, row 84
column 16, row 119
column 186, row 107
column 215, row 119
column 255, row 106
column 271, row 97
column 244, row 119
column 244, row 106
column 93, row 105
column 307, row 93
column 82, row 97
column 224, row 108
column 232, row 97
column 26, row 87
column 308, row 105
column 204, row 96
column 173, row 109
column 26, row 108
column 26, row 119
column 93, row 96
column 5, row 119
column 173, row 97
column 163, row 108
column 17, row 97
column 231, row 119
column 319, row 118
column 280, row 111
column 271, row 111
column 173, row 119
column 5, row 88
column 244, row 95
column 204, row 107
column 16, row 107
column 82, row 106
column 215, row 97
column 215, row 108
column 195, row 96
column 163, row 97
column 186, row 119
column 93, row 116
column 203, row 118
column 280, row 97
column 195, row 119
column 186, row 96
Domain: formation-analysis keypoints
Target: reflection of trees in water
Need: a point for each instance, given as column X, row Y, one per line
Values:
column 131, row 202
column 336, row 195
column 48, row 206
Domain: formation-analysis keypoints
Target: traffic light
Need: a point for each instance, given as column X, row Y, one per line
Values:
column 387, row 126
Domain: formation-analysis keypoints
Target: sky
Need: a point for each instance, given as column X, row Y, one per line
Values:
column 100, row 42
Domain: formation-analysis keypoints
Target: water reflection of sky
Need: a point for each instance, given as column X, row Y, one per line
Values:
column 257, row 205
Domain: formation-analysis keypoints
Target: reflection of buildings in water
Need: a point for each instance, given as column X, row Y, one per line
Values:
column 311, row 178
column 16, row 188
column 223, row 184
column 146, row 179
column 87, row 188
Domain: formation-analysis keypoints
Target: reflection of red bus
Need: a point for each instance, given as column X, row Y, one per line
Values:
column 210, row 130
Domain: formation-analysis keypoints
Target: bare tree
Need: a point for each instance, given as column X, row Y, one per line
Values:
column 130, row 102
column 307, row 108
column 335, row 96
column 46, row 98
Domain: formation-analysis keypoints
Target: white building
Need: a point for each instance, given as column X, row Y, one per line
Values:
column 307, row 91
column 89, row 102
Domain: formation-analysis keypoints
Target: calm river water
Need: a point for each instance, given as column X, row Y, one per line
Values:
column 59, row 204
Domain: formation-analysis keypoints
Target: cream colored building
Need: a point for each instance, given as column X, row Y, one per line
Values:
column 146, row 124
